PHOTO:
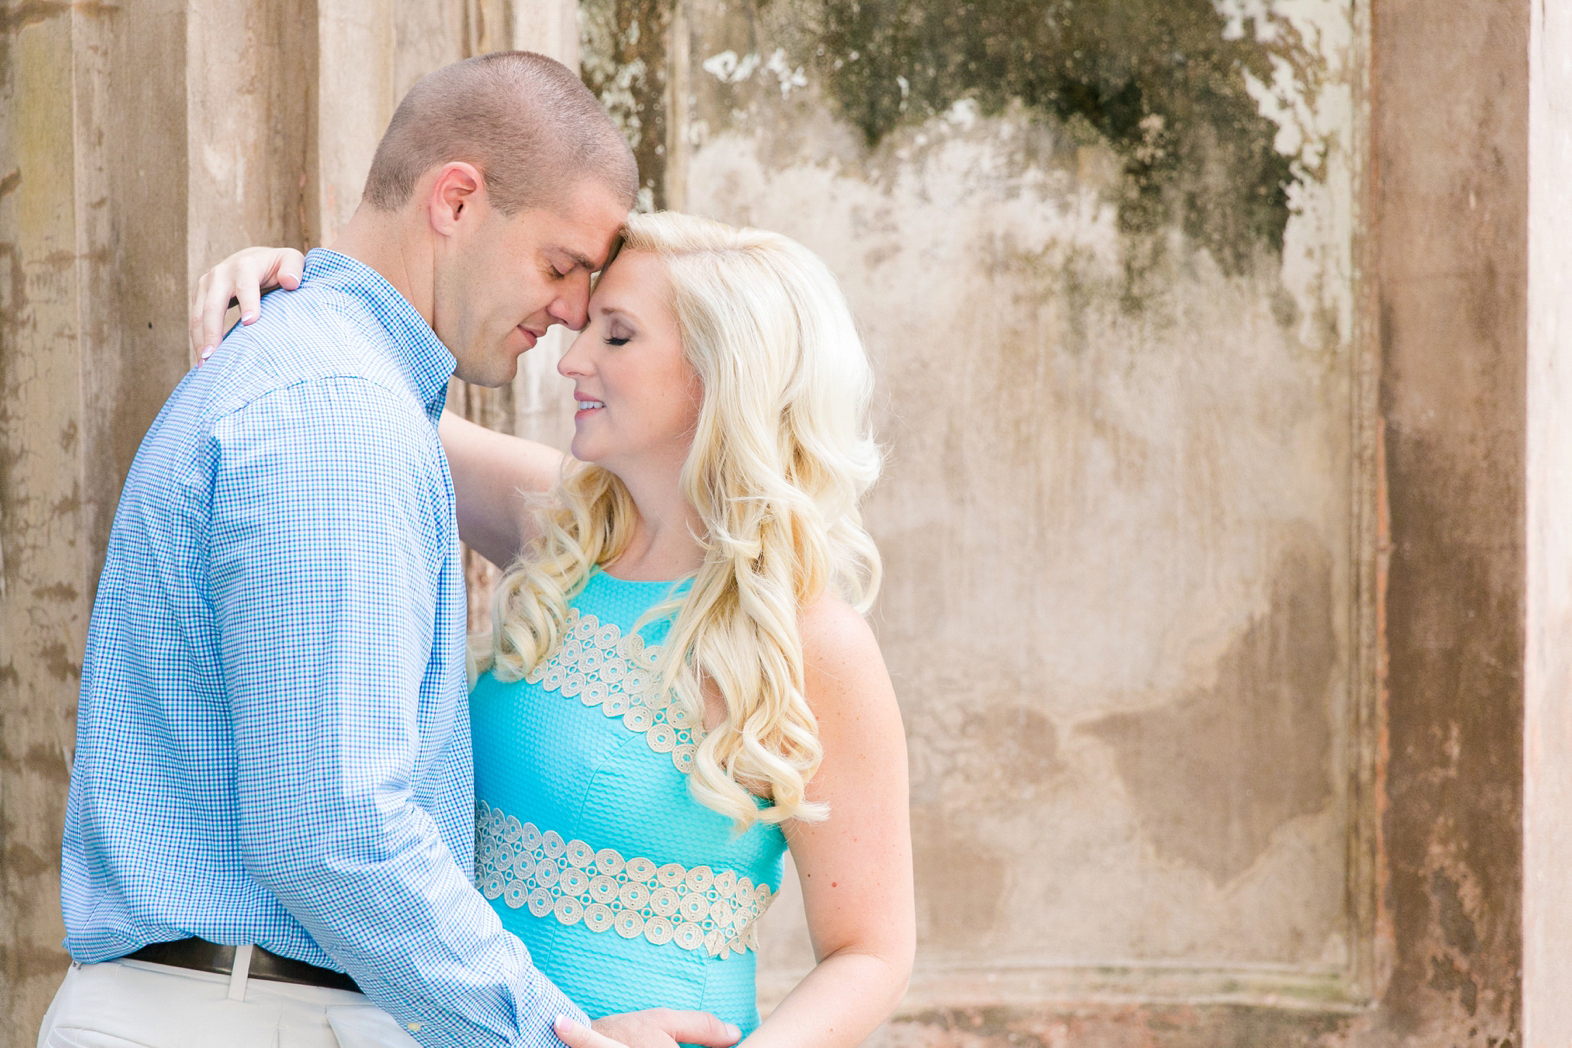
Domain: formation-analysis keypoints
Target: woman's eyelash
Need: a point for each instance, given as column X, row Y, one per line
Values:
column 612, row 340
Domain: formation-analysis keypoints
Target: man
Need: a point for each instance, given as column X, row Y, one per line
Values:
column 271, row 807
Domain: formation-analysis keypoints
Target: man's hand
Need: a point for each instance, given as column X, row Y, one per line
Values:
column 655, row 1028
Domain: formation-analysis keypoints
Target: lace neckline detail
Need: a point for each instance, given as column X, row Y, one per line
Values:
column 596, row 664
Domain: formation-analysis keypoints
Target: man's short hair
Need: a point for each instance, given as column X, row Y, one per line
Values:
column 526, row 122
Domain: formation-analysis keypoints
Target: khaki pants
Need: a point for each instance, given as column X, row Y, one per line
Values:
column 133, row 1004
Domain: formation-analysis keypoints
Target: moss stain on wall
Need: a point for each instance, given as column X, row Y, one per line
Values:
column 1164, row 83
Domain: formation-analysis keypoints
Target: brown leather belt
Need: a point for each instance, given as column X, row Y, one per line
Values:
column 203, row 956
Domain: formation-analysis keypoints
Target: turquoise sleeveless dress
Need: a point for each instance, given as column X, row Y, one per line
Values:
column 628, row 892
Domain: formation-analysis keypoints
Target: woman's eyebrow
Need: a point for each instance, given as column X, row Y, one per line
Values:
column 608, row 311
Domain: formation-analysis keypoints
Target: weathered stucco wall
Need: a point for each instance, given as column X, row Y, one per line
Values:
column 1102, row 256
column 92, row 284
column 1151, row 290
column 1202, row 334
column 1449, row 232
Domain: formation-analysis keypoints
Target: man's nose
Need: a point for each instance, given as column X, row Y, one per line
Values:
column 572, row 308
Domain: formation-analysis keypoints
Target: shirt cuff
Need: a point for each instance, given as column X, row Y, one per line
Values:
column 535, row 1021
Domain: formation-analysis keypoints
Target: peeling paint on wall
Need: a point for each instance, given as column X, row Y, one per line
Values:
column 623, row 54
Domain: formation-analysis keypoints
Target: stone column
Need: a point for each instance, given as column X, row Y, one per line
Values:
column 45, row 577
column 93, row 195
column 1547, row 801
column 251, row 76
column 1448, row 265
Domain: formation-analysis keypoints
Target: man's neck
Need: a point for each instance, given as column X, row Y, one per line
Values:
column 381, row 240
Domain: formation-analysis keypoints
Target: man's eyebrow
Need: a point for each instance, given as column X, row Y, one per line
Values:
column 581, row 260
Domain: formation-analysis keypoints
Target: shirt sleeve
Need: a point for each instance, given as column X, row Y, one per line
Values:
column 326, row 537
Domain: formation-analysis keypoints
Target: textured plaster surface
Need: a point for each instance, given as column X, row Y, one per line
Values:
column 1204, row 507
column 44, row 573
column 1450, row 268
column 249, row 152
column 1120, row 605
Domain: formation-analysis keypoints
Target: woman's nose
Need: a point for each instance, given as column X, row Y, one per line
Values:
column 575, row 362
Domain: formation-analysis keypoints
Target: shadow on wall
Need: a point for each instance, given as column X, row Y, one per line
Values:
column 1212, row 775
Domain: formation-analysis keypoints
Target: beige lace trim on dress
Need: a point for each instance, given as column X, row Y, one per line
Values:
column 600, row 667
column 570, row 880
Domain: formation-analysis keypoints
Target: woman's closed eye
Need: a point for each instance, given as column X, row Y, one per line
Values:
column 618, row 335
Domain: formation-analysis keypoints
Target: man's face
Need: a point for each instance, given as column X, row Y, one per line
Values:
column 502, row 280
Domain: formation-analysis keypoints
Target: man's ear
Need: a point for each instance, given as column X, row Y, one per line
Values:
column 457, row 195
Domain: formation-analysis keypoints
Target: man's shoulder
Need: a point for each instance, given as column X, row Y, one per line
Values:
column 305, row 345
column 330, row 432
column 315, row 333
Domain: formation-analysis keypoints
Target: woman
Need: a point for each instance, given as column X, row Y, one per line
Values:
column 680, row 684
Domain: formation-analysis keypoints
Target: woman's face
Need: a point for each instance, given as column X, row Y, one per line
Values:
column 638, row 400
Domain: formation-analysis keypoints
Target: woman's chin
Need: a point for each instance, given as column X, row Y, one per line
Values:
column 584, row 450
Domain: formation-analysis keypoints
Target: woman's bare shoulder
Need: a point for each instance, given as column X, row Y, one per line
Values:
column 832, row 628
column 841, row 658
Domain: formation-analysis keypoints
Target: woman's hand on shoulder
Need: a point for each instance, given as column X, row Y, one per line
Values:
column 239, row 279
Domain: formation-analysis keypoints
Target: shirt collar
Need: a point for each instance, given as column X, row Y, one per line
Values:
column 425, row 358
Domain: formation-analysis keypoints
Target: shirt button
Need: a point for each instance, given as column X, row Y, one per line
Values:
column 414, row 1027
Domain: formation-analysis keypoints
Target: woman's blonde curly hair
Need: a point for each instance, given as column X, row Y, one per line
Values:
column 781, row 456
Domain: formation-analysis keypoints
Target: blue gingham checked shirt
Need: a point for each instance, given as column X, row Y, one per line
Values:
column 273, row 736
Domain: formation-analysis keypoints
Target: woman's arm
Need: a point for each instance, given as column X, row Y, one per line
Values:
column 494, row 476
column 856, row 867
column 493, row 473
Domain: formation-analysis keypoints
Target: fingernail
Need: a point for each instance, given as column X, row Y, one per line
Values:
column 207, row 352
column 561, row 1022
column 734, row 1032
column 246, row 318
